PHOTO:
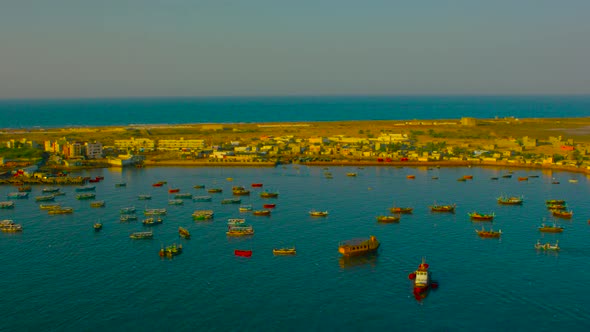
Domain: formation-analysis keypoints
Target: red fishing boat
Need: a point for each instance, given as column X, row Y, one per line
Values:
column 173, row 190
column 243, row 253
column 269, row 206
column 422, row 280
column 256, row 185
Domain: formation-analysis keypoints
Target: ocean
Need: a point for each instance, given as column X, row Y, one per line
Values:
column 121, row 112
column 61, row 275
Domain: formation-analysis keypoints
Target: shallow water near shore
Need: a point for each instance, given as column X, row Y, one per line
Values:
column 60, row 274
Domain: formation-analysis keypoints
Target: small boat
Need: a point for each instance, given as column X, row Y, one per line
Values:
column 7, row 205
column 239, row 230
column 533, row 176
column 315, row 213
column 547, row 246
column 184, row 233
column 121, row 184
column 97, row 226
column 493, row 178
column 572, row 181
column 269, row 194
column 245, row 208
column 351, row 174
column 86, row 188
column 555, row 201
column 171, row 251
column 159, row 184
column 61, row 210
column 510, row 200
column 358, row 246
column 202, row 199
column 241, row 192
column 152, row 221
column 523, row 178
column 229, row 179
column 203, row 215
column 411, row 177
column 59, row 193
column 507, row 176
column 173, row 190
column 199, row 186
column 231, row 201
column 554, row 182
column 243, row 253
column 18, row 195
column 127, row 210
column 144, row 197
column 127, row 217
column 50, row 190
column 49, row 206
column 422, row 280
column 25, row 189
column 183, row 196
column 175, row 202
column 93, row 180
column 45, row 198
column 154, row 212
column 556, row 206
column 10, row 227
column 236, row 221
column 481, row 217
column 97, row 204
column 401, row 210
column 256, row 185
column 550, row 229
column 443, row 208
column 489, row 233
column 562, row 214
column 261, row 212
column 214, row 190
column 86, row 196
column 388, row 219
column 435, row 177
column 462, row 179
column 269, row 206
column 468, row 177
column 284, row 251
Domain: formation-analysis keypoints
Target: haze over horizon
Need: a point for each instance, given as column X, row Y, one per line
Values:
column 84, row 49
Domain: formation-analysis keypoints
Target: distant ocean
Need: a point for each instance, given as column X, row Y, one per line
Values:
column 51, row 113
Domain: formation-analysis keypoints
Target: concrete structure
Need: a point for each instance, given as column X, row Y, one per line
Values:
column 135, row 144
column 180, row 144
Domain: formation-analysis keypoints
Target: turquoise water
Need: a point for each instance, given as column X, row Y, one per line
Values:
column 116, row 112
column 61, row 275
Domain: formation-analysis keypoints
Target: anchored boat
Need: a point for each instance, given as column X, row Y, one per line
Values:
column 359, row 246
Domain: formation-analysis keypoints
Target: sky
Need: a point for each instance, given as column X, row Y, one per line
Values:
column 149, row 48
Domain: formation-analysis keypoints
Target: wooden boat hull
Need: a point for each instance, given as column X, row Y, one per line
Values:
column 243, row 253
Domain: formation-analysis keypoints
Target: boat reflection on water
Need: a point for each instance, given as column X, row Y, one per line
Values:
column 367, row 260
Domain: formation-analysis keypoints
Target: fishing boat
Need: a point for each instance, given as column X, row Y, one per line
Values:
column 556, row 207
column 11, row 227
column 245, row 208
column 494, row 178
column 236, row 221
column 256, row 185
column 199, row 186
column 25, row 189
column 152, row 221
column 443, row 208
column 171, row 251
column 243, row 253
column 315, row 213
column 214, row 190
column 50, row 190
column 7, row 205
column 510, row 200
column 269, row 194
column 422, row 280
column 401, row 210
column 352, row 174
column 127, row 210
column 523, row 178
column 97, row 226
column 49, row 206
column 489, row 233
column 144, row 197
column 120, row 184
column 481, row 217
column 202, row 199
column 411, row 177
column 97, row 204
column 550, row 229
column 45, row 198
column 533, row 176
column 127, row 217
column 18, row 195
column 284, row 251
column 202, row 214
column 239, row 230
column 562, row 214
column 269, row 206
column 462, row 179
column 240, row 191
column 554, row 201
column 261, row 212
column 175, row 202
column 358, row 246
column 184, row 233
column 468, row 177
column 507, row 176
column 155, row 212
column 183, row 196
column 231, row 201
column 388, row 219
column 159, row 184
column 86, row 188
column 61, row 210
column 173, row 190
column 547, row 246
column 572, row 181
column 86, row 196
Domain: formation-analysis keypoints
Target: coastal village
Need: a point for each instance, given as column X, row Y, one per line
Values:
column 405, row 142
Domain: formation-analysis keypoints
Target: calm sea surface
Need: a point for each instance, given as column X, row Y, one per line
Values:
column 117, row 112
column 61, row 275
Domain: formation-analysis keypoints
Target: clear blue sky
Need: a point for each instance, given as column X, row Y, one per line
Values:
column 117, row 48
